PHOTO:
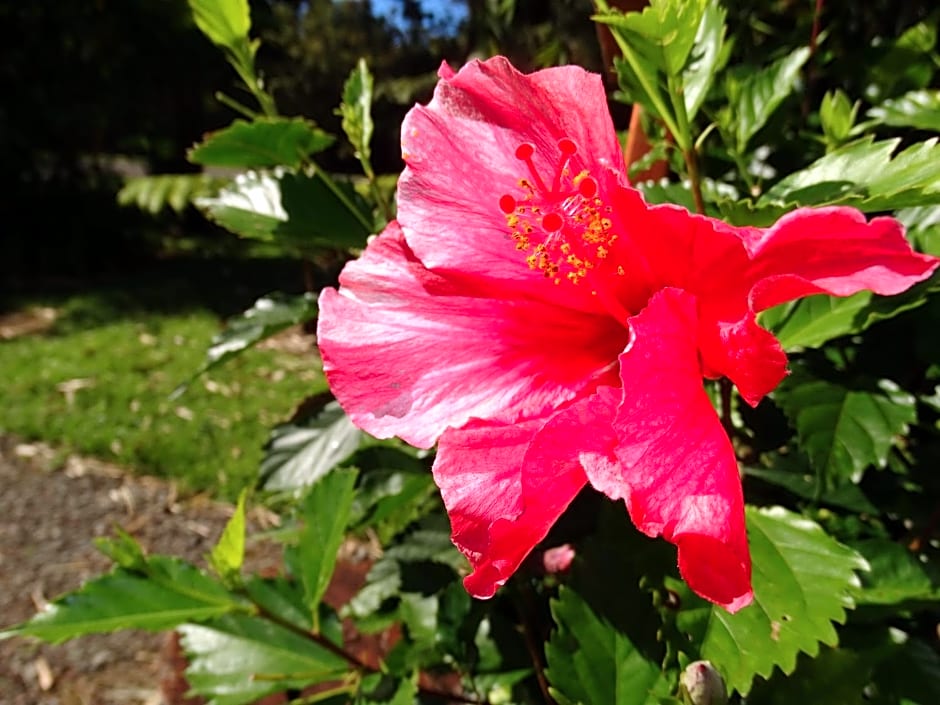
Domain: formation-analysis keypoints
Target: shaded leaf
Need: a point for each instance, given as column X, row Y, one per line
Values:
column 834, row 677
column 154, row 194
column 281, row 597
column 239, row 659
column 864, row 174
column 897, row 575
column 169, row 593
column 297, row 210
column 590, row 661
column 918, row 109
column 843, row 430
column 299, row 453
column 806, row 485
column 803, row 582
column 388, row 500
column 228, row 554
column 265, row 142
column 755, row 99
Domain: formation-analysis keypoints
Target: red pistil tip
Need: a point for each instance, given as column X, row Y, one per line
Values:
column 552, row 223
column 525, row 151
column 567, row 147
column 507, row 203
column 587, row 187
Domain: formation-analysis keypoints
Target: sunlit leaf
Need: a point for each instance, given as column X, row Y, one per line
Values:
column 803, row 582
column 265, row 142
column 919, row 109
column 356, row 110
column 228, row 554
column 154, row 194
column 169, row 593
column 297, row 210
column 705, row 59
column 897, row 576
column 299, row 453
column 864, row 174
column 224, row 22
column 239, row 659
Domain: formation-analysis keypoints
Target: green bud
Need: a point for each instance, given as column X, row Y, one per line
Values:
column 701, row 684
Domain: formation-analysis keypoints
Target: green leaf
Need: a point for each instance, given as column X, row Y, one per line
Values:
column 897, row 576
column 281, row 597
column 810, row 322
column 383, row 688
column 265, row 142
column 324, row 512
column 388, row 500
column 844, row 430
column 169, row 593
column 356, row 111
column 590, row 661
column 803, row 582
column 908, row 673
column 239, row 659
column 837, row 115
column 298, row 454
column 806, row 485
column 225, row 22
column 918, row 109
column 298, row 211
column 923, row 228
column 706, row 57
column 865, row 175
column 269, row 315
column 664, row 32
column 228, row 554
column 154, row 194
column 755, row 99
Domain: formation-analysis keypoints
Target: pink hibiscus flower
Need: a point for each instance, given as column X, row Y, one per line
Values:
column 532, row 315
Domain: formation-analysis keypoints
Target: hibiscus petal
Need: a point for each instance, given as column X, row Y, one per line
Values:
column 408, row 352
column 499, row 508
column 834, row 251
column 460, row 152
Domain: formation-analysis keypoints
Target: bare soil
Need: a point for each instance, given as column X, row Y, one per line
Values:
column 51, row 509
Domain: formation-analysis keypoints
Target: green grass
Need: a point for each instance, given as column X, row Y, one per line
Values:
column 121, row 364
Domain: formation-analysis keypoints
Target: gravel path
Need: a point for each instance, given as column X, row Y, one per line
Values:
column 51, row 509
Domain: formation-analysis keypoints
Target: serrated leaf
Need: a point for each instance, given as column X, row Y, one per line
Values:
column 269, row 315
column 803, row 582
column 169, row 593
column 239, row 659
column 755, row 99
column 299, row 211
column 814, row 320
column 864, row 174
column 356, row 111
column 298, row 454
column 590, row 661
column 324, row 512
column 262, row 143
column 806, row 485
column 664, row 31
column 843, row 430
column 705, row 59
column 281, row 597
column 228, row 554
column 918, row 109
column 224, row 22
column 154, row 194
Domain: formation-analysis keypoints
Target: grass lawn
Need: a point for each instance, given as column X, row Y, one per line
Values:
column 99, row 383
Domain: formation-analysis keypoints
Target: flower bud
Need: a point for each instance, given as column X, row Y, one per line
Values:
column 701, row 684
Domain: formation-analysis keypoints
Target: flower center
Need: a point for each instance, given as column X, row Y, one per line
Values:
column 560, row 221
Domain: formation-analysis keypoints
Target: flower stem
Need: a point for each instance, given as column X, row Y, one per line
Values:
column 524, row 600
column 695, row 180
